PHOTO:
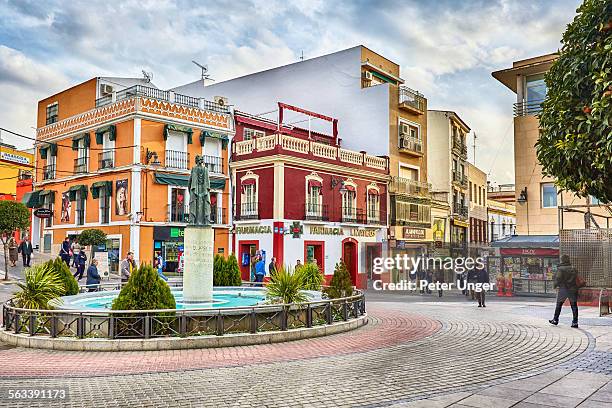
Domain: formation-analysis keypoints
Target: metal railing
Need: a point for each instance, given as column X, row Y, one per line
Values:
column 178, row 213
column 527, row 108
column 218, row 215
column 80, row 165
column 401, row 185
column 316, row 212
column 248, row 211
column 411, row 143
column 187, row 100
column 106, row 159
column 147, row 324
column 411, row 98
column 376, row 217
column 214, row 164
column 460, row 146
column 460, row 178
column 460, row 209
column 176, row 160
column 353, row 215
column 49, row 172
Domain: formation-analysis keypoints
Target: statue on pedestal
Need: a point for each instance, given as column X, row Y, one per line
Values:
column 199, row 194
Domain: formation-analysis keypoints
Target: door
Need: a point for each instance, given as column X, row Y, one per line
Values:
column 372, row 251
column 176, row 150
column 248, row 249
column 349, row 257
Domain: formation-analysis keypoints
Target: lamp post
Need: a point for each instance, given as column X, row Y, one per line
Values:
column 522, row 199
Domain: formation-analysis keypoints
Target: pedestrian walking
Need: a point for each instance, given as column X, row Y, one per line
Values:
column 272, row 267
column 65, row 251
column 429, row 279
column 13, row 251
column 568, row 283
column 127, row 267
column 260, row 271
column 481, row 277
column 75, row 247
column 439, row 277
column 81, row 262
column 25, row 248
column 93, row 277
column 159, row 264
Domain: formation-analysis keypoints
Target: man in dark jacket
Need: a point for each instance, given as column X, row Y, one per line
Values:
column 65, row 251
column 81, row 260
column 565, row 280
column 93, row 277
column 482, row 277
column 25, row 248
column 272, row 267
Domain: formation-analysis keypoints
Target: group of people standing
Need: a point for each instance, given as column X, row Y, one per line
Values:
column 73, row 254
column 24, row 248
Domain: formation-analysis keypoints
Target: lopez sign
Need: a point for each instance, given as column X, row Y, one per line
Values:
column 414, row 233
column 43, row 212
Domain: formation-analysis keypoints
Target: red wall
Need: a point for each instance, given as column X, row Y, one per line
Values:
column 265, row 191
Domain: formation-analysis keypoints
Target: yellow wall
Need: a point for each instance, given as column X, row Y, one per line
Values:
column 9, row 169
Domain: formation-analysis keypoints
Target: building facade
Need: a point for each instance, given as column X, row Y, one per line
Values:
column 114, row 154
column 502, row 219
column 299, row 195
column 448, row 172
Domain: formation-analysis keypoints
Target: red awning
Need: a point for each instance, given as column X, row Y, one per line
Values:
column 314, row 183
column 349, row 187
column 373, row 192
column 248, row 181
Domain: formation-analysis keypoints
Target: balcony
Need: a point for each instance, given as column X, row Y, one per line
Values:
column 412, row 100
column 409, row 144
column 460, row 179
column 410, row 212
column 528, row 108
column 214, row 164
column 176, row 160
column 106, row 159
column 353, row 215
column 460, row 209
column 460, row 147
column 80, row 165
column 248, row 211
column 404, row 186
column 376, row 217
column 180, row 214
column 49, row 172
column 316, row 212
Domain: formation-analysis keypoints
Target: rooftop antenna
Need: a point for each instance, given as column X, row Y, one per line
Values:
column 302, row 56
column 475, row 137
column 205, row 74
column 147, row 75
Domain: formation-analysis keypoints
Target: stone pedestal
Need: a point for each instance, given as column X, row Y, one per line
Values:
column 198, row 266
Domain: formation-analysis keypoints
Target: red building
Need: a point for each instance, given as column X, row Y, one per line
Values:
column 299, row 196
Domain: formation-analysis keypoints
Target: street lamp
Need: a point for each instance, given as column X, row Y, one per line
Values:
column 522, row 199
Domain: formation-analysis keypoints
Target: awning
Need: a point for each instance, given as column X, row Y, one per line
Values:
column 47, row 195
column 72, row 191
column 314, row 183
column 527, row 241
column 372, row 191
column 214, row 135
column 50, row 148
column 349, row 187
column 179, row 128
column 171, row 179
column 111, row 129
column 247, row 182
column 43, row 152
column 31, row 199
column 95, row 188
column 183, row 181
column 383, row 77
column 77, row 139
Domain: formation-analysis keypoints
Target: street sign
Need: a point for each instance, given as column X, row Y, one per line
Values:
column 43, row 212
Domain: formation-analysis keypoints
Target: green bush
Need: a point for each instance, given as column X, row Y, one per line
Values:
column 71, row 286
column 286, row 287
column 313, row 278
column 341, row 284
column 42, row 284
column 145, row 290
column 232, row 271
column 219, row 268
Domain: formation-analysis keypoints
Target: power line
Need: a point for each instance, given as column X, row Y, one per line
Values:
column 61, row 145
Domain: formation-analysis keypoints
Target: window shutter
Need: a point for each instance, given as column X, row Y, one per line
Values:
column 53, row 149
column 43, row 152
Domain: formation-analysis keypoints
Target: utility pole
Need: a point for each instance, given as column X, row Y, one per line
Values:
column 475, row 148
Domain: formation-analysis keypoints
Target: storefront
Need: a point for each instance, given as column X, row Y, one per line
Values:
column 168, row 241
column 531, row 261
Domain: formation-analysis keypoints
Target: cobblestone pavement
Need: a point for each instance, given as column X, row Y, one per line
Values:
column 413, row 353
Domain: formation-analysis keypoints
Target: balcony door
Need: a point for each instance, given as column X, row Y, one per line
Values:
column 108, row 152
column 176, row 150
column 178, row 208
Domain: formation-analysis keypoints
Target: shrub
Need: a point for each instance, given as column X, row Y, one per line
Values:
column 71, row 286
column 145, row 290
column 232, row 271
column 219, row 268
column 341, row 284
column 313, row 278
column 286, row 287
column 42, row 284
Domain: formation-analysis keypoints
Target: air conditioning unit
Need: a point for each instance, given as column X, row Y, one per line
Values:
column 404, row 129
column 221, row 100
column 367, row 75
column 106, row 90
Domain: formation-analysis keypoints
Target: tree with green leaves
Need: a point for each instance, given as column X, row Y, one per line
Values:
column 71, row 286
column 219, row 267
column 575, row 145
column 91, row 238
column 232, row 271
column 341, row 284
column 13, row 216
column 145, row 290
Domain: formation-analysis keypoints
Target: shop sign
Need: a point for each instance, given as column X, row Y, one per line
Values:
column 43, row 212
column 317, row 230
column 530, row 251
column 296, row 229
column 15, row 158
column 176, row 232
column 356, row 232
column 414, row 233
column 254, row 229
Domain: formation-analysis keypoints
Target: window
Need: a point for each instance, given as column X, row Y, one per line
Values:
column 49, row 204
column 535, row 88
column 314, row 208
column 80, row 208
column 373, row 207
column 412, row 212
column 80, row 165
column 349, row 211
column 104, row 200
column 249, row 134
column 176, row 150
column 178, row 208
column 549, row 195
column 249, row 205
column 52, row 111
column 107, row 156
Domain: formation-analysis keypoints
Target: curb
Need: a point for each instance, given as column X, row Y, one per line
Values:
column 178, row 343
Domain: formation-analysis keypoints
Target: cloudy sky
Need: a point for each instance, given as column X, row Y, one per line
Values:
column 446, row 49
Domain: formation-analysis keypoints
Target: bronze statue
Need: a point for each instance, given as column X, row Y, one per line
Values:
column 199, row 194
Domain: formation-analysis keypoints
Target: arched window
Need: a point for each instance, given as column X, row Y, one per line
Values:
column 314, row 197
column 373, row 204
column 349, row 201
column 249, row 204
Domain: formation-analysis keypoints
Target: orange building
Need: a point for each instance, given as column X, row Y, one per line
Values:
column 114, row 154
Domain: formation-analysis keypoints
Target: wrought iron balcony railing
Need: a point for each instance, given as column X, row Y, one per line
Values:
column 411, row 98
column 106, row 159
column 528, row 108
column 248, row 211
column 80, row 165
column 49, row 172
column 353, row 215
column 176, row 160
column 316, row 212
column 214, row 164
column 460, row 209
